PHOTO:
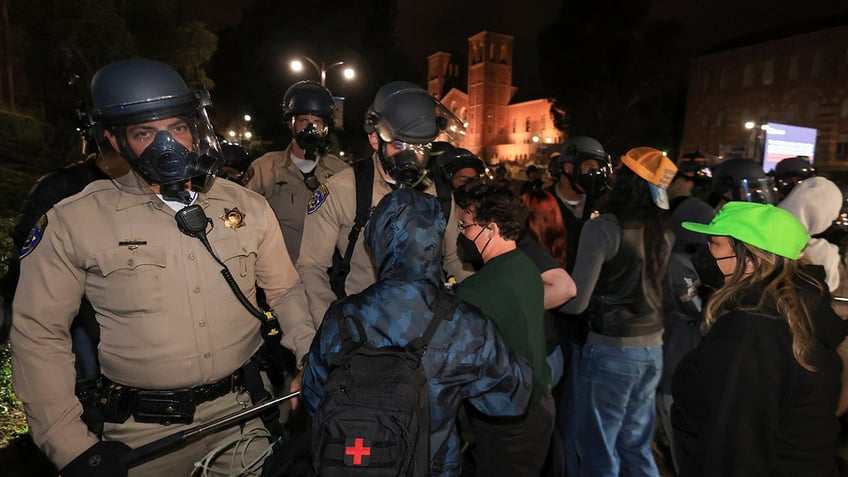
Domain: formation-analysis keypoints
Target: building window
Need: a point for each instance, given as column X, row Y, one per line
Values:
column 527, row 124
column 815, row 72
column 842, row 147
column 514, row 125
column 793, row 68
column 543, row 122
column 748, row 76
column 768, row 72
column 792, row 112
column 492, row 51
column 812, row 109
column 503, row 54
column 719, row 119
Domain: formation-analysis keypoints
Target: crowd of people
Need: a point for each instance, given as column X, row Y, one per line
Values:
column 601, row 308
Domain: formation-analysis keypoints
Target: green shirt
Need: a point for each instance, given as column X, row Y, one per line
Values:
column 509, row 290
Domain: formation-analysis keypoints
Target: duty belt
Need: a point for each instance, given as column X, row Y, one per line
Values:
column 172, row 406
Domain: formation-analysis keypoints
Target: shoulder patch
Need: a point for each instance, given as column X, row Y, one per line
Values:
column 34, row 236
column 319, row 195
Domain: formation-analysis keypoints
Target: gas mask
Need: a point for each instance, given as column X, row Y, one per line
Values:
column 168, row 163
column 313, row 142
column 594, row 182
column 408, row 165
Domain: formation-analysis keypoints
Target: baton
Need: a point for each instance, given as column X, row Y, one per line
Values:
column 166, row 444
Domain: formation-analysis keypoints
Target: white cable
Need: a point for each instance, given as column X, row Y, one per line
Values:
column 203, row 468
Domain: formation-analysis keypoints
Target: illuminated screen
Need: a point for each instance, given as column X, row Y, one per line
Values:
column 783, row 140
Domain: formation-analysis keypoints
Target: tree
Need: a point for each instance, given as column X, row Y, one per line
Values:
column 614, row 73
column 72, row 39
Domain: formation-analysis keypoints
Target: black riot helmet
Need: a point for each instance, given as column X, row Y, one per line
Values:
column 309, row 98
column 408, row 118
column 790, row 171
column 742, row 179
column 456, row 159
column 137, row 91
column 591, row 179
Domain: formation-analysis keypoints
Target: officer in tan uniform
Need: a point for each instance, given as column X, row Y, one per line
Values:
column 288, row 178
column 401, row 123
column 176, row 345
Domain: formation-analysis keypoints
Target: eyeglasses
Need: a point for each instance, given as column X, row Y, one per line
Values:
column 462, row 226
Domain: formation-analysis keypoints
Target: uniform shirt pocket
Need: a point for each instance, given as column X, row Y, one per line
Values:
column 123, row 269
column 240, row 259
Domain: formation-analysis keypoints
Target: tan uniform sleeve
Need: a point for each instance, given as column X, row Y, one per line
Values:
column 283, row 288
column 320, row 231
column 48, row 296
column 259, row 175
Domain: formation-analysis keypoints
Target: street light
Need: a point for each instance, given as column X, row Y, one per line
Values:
column 297, row 65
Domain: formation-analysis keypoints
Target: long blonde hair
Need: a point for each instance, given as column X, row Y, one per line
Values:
column 778, row 276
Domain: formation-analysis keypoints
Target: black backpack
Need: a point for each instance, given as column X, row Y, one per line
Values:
column 374, row 418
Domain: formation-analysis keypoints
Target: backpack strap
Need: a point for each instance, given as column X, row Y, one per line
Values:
column 443, row 308
column 344, row 330
column 364, row 185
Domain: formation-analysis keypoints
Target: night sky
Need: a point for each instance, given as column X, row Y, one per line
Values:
column 421, row 29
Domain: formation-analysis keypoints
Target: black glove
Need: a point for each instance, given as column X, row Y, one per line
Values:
column 100, row 460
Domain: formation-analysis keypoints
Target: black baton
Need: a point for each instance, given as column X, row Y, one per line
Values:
column 177, row 440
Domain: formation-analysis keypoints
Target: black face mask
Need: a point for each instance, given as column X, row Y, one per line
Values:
column 168, row 163
column 468, row 253
column 707, row 267
column 313, row 143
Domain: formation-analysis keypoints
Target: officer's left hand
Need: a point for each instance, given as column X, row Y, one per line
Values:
column 100, row 460
column 295, row 386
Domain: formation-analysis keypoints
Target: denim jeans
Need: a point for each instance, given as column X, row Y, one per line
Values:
column 615, row 410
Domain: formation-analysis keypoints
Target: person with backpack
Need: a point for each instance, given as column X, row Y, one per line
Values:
column 465, row 358
column 401, row 124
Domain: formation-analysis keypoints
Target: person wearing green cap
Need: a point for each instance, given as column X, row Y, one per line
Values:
column 758, row 396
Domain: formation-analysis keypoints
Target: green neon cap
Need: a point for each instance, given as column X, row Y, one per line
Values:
column 762, row 225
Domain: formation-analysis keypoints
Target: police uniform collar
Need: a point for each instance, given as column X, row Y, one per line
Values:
column 134, row 191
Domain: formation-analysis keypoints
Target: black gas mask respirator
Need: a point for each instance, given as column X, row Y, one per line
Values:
column 313, row 142
column 407, row 166
column 168, row 163
column 594, row 182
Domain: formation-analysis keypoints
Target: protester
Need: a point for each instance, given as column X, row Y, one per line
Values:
column 466, row 359
column 758, row 396
column 622, row 258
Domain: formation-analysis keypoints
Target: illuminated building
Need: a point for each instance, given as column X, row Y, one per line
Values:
column 797, row 77
column 517, row 134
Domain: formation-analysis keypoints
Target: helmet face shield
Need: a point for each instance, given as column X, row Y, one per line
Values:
column 760, row 190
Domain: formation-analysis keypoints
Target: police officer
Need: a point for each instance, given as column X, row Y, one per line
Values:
column 401, row 123
column 741, row 179
column 790, row 171
column 581, row 176
column 288, row 178
column 176, row 345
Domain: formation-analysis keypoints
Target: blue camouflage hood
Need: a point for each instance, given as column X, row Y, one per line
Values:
column 405, row 236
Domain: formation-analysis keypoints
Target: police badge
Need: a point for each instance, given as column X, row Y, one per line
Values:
column 233, row 218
